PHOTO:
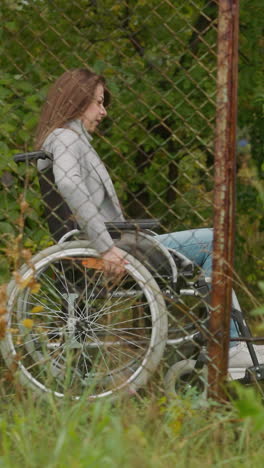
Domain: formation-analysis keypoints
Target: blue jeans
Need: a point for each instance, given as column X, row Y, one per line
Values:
column 195, row 244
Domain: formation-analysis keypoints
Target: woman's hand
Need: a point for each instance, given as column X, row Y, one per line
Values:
column 114, row 262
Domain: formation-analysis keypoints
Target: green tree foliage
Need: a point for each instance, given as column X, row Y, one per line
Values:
column 160, row 62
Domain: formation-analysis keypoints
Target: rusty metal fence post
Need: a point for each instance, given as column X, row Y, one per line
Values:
column 224, row 195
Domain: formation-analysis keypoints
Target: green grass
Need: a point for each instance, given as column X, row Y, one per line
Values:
column 134, row 432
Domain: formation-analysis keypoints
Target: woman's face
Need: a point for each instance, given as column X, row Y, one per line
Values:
column 95, row 112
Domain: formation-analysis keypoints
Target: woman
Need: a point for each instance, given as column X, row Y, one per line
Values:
column 75, row 106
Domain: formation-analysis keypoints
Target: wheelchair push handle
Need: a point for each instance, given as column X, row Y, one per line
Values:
column 32, row 156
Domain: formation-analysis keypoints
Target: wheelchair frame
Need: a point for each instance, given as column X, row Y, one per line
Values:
column 69, row 346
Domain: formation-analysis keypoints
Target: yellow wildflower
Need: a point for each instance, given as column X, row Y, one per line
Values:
column 28, row 323
column 37, row 309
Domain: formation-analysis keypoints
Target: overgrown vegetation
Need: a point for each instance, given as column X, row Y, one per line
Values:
column 129, row 433
column 159, row 59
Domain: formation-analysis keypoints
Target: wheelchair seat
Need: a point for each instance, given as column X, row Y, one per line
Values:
column 135, row 236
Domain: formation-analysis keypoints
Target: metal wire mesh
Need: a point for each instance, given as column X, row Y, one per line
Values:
column 158, row 139
column 160, row 62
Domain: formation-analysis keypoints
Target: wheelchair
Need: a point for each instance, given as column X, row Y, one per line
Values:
column 71, row 330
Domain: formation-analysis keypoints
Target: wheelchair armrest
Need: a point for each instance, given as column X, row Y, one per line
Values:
column 133, row 224
column 33, row 156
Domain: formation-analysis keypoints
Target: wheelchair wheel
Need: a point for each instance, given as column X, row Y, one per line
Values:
column 183, row 378
column 70, row 330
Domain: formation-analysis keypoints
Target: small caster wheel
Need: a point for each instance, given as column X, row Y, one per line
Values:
column 183, row 377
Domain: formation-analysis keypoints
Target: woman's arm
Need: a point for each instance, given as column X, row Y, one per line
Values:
column 66, row 148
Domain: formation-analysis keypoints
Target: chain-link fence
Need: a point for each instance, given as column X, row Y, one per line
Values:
column 79, row 318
